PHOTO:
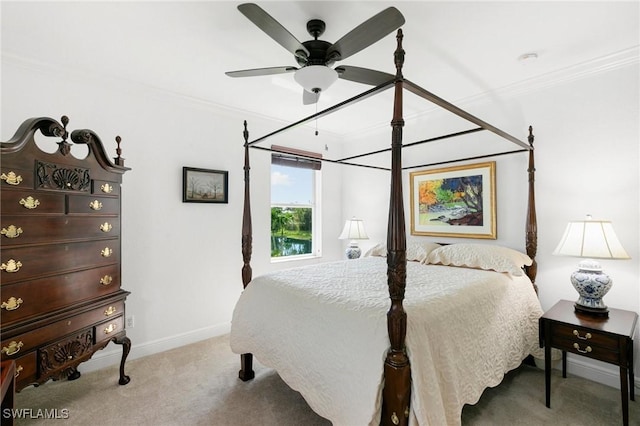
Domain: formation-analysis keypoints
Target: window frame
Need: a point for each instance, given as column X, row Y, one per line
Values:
column 295, row 161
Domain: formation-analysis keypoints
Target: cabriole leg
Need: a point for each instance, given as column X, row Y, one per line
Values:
column 126, row 347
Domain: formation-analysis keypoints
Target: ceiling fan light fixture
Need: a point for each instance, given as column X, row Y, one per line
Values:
column 316, row 78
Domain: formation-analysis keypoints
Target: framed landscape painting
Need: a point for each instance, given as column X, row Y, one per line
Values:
column 204, row 185
column 457, row 201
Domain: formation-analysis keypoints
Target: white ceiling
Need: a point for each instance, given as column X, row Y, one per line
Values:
column 457, row 50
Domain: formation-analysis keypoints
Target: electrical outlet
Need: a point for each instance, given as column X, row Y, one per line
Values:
column 130, row 322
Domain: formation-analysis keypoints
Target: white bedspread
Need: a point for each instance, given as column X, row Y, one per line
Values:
column 323, row 328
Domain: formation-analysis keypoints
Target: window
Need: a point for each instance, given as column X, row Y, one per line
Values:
column 294, row 205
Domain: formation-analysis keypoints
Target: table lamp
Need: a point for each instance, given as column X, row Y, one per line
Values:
column 591, row 239
column 354, row 231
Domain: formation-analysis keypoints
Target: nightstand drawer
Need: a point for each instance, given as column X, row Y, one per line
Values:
column 581, row 335
column 589, row 349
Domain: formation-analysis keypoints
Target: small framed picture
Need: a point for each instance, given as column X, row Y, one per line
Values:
column 204, row 185
column 457, row 201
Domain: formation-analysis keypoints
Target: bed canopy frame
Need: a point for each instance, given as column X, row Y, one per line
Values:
column 397, row 370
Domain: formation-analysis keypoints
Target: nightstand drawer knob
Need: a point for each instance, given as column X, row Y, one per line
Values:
column 582, row 351
column 577, row 334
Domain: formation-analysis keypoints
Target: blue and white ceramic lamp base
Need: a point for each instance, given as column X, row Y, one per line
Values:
column 591, row 284
column 353, row 251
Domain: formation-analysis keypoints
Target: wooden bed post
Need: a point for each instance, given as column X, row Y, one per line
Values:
column 246, row 360
column 531, row 243
column 396, row 394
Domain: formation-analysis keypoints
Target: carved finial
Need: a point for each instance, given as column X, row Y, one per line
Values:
column 63, row 146
column 531, row 137
column 399, row 54
column 119, row 160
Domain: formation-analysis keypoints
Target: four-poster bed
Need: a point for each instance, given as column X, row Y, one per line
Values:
column 349, row 399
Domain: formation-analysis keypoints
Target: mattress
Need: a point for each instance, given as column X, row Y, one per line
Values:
column 323, row 328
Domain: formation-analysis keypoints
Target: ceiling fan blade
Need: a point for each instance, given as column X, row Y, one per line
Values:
column 363, row 75
column 309, row 98
column 365, row 34
column 273, row 29
column 260, row 71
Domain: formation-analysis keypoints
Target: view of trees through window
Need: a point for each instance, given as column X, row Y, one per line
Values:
column 292, row 211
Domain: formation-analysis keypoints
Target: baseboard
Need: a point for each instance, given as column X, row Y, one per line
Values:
column 596, row 371
column 112, row 354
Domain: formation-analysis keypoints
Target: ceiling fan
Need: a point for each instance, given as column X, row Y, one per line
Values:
column 315, row 57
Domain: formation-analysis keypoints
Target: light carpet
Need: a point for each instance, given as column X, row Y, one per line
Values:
column 199, row 385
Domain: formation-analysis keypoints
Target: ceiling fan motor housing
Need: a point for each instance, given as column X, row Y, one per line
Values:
column 317, row 48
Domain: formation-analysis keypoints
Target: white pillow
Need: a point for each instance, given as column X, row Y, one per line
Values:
column 416, row 251
column 419, row 251
column 377, row 250
column 481, row 256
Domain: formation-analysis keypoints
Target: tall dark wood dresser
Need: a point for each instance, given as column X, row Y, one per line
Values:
column 60, row 252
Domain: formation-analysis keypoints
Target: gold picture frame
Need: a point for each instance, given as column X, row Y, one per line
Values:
column 457, row 201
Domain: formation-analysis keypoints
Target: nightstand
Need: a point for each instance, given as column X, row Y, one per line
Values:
column 605, row 339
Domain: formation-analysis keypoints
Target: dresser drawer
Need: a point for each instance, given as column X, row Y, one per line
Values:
column 23, row 263
column 588, row 343
column 23, row 229
column 54, row 358
column 32, row 202
column 28, row 299
column 81, row 204
column 26, row 371
column 108, row 329
column 15, row 346
column 104, row 187
column 16, row 178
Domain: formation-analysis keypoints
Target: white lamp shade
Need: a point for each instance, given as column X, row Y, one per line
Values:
column 354, row 230
column 593, row 239
column 315, row 77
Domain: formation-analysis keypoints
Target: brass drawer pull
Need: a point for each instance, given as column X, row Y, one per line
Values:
column 18, row 371
column 586, row 350
column 106, row 227
column 11, row 232
column 95, row 205
column 13, row 348
column 11, row 304
column 11, row 266
column 110, row 328
column 110, row 311
column 30, row 203
column 106, row 280
column 11, row 178
column 106, row 188
column 106, row 252
column 577, row 334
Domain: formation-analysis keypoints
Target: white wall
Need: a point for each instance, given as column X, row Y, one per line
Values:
column 587, row 157
column 181, row 261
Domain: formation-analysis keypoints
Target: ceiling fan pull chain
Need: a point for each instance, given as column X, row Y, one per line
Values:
column 317, row 98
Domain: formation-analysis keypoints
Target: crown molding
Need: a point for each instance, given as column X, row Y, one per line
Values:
column 603, row 64
column 607, row 63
